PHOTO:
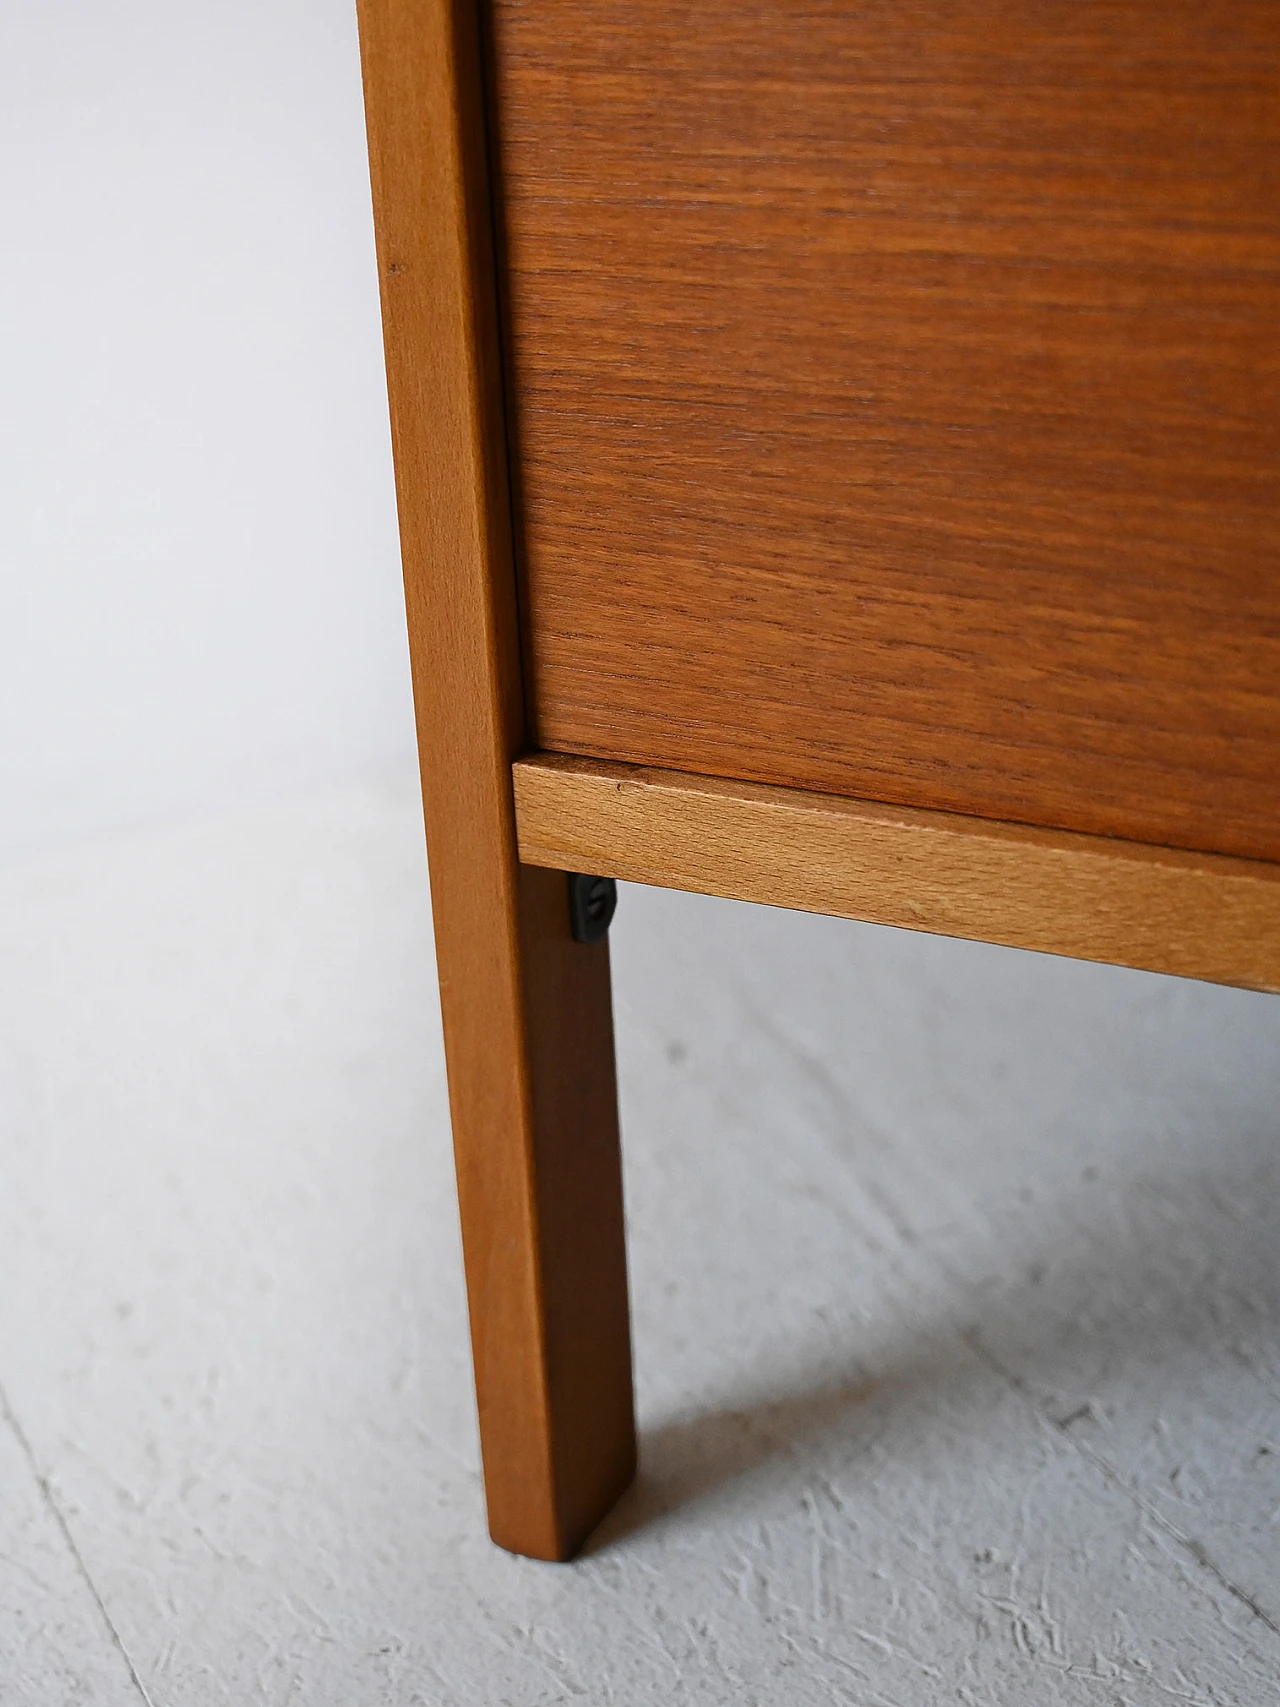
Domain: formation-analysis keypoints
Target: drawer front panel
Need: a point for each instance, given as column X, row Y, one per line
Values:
column 895, row 393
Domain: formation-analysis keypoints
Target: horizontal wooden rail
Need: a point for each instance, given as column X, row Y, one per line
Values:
column 1197, row 915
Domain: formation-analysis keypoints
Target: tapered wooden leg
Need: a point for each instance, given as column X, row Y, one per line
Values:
column 527, row 1021
column 529, row 1037
column 529, row 1046
column 539, row 1185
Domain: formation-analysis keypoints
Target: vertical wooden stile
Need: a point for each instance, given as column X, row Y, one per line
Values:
column 527, row 1014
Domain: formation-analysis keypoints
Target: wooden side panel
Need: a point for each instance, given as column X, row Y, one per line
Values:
column 1197, row 915
column 898, row 394
column 527, row 1018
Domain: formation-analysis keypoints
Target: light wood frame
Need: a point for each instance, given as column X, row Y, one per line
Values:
column 526, row 1010
column 1089, row 897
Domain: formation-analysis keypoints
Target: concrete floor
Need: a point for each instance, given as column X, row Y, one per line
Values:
column 956, row 1282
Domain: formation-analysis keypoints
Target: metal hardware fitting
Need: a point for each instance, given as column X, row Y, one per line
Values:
column 592, row 904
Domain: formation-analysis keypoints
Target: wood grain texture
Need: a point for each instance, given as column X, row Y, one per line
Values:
column 527, row 1018
column 1197, row 915
column 898, row 398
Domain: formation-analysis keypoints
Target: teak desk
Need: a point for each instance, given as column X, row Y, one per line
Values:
column 838, row 452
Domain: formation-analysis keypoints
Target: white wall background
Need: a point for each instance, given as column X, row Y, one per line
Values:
column 199, row 582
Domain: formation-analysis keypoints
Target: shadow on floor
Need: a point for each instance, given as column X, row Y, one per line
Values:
column 1149, row 1300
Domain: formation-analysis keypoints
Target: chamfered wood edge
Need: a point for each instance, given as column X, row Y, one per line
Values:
column 1088, row 897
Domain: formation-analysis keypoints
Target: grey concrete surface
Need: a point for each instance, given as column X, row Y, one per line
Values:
column 956, row 1281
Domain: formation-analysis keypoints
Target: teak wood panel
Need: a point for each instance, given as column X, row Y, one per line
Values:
column 528, row 1029
column 895, row 398
column 1091, row 897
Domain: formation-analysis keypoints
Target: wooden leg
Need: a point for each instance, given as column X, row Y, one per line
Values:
column 540, row 1191
column 529, row 1047
column 527, row 1023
